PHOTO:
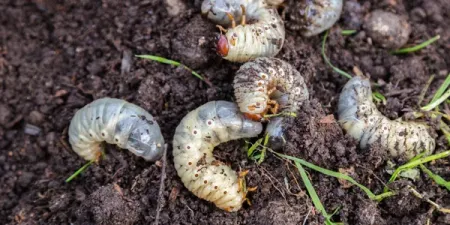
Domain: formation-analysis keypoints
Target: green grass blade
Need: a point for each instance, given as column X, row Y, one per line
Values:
column 263, row 151
column 438, row 179
column 312, row 193
column 378, row 97
column 159, row 59
column 266, row 140
column 441, row 89
column 446, row 130
column 194, row 73
column 335, row 211
column 416, row 163
column 417, row 47
column 417, row 157
column 425, row 89
column 256, row 157
column 262, row 156
column 79, row 171
column 253, row 147
column 175, row 63
column 348, row 32
column 324, row 55
column 437, row 102
column 329, row 173
column 290, row 114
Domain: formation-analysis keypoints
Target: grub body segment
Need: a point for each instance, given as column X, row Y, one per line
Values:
column 196, row 136
column 260, row 83
column 118, row 122
column 261, row 35
column 359, row 116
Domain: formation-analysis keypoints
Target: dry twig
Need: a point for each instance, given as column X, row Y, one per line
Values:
column 161, row 186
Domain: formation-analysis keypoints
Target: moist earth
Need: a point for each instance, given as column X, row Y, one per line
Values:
column 57, row 56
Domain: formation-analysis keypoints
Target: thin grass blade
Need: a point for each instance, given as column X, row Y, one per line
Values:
column 416, row 163
column 425, row 89
column 329, row 173
column 438, row 179
column 348, row 32
column 79, row 171
column 253, row 147
column 325, row 58
column 441, row 89
column 417, row 47
column 159, row 59
column 312, row 192
column 437, row 102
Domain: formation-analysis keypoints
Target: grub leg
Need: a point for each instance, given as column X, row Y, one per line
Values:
column 274, row 106
column 243, row 20
column 233, row 22
column 221, row 29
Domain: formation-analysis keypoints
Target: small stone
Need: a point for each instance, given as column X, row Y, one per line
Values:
column 434, row 10
column 388, row 30
column 5, row 114
column 59, row 202
column 175, row 7
column 418, row 14
column 79, row 195
column 60, row 93
column 96, row 82
column 125, row 65
column 352, row 15
column 25, row 179
column 32, row 130
column 95, row 67
column 50, row 138
column 36, row 117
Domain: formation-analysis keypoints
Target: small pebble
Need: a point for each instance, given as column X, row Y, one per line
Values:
column 79, row 195
column 125, row 66
column 175, row 7
column 352, row 15
column 59, row 202
column 5, row 114
column 25, row 179
column 95, row 67
column 418, row 14
column 388, row 30
column 36, row 117
column 32, row 130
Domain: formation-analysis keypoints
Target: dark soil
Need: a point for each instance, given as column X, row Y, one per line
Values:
column 57, row 56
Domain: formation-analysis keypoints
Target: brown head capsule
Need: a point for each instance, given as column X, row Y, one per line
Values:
column 243, row 41
column 269, row 85
column 222, row 46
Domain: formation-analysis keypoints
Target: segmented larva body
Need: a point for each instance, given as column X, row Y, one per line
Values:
column 359, row 116
column 193, row 144
column 264, row 37
column 320, row 15
column 269, row 84
column 274, row 2
column 115, row 121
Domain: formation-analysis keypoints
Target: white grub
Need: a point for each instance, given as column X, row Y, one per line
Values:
column 193, row 143
column 262, row 36
column 359, row 116
column 118, row 122
column 270, row 84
